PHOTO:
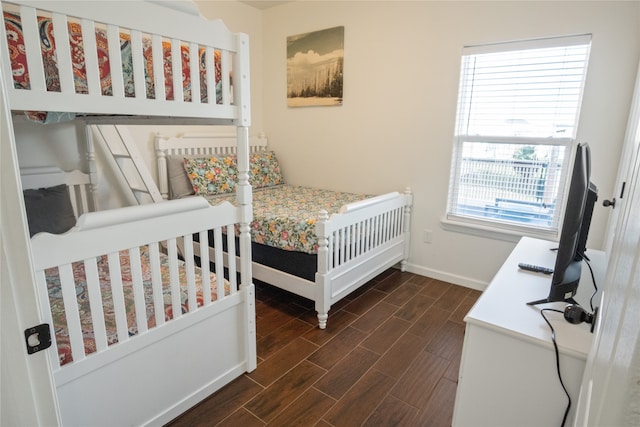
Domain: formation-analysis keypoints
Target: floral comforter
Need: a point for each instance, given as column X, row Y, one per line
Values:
column 57, row 305
column 285, row 216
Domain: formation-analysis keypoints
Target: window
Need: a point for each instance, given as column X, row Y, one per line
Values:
column 518, row 108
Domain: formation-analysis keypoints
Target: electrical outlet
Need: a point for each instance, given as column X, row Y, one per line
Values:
column 427, row 235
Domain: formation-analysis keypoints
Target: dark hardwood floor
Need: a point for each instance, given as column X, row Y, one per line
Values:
column 389, row 357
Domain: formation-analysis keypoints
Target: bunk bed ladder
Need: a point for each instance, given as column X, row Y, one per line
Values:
column 122, row 147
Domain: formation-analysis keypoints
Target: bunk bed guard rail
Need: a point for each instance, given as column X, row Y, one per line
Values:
column 53, row 56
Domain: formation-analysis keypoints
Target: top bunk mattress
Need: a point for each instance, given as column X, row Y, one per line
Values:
column 285, row 216
column 63, row 61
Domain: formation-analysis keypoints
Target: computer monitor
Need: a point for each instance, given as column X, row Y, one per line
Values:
column 575, row 228
column 592, row 198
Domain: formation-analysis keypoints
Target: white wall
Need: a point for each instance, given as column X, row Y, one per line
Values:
column 395, row 127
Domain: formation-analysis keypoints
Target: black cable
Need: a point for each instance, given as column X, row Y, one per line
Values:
column 555, row 346
column 593, row 279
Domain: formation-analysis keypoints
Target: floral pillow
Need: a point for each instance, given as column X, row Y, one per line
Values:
column 264, row 170
column 212, row 175
column 219, row 175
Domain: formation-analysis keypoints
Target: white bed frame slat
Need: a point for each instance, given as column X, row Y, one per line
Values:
column 84, row 199
column 217, row 239
column 91, row 58
column 115, row 60
column 117, row 293
column 158, row 67
column 231, row 248
column 176, row 71
column 32, row 47
column 204, row 265
column 156, row 283
column 174, row 280
column 63, row 52
column 210, row 75
column 95, row 303
column 138, row 290
column 194, row 71
column 226, row 69
column 137, row 60
column 43, row 298
column 190, row 273
column 72, row 314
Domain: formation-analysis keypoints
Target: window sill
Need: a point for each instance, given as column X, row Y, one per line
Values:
column 496, row 233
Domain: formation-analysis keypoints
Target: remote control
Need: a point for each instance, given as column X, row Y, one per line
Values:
column 535, row 268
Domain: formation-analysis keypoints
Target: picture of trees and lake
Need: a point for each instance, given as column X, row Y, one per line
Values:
column 315, row 63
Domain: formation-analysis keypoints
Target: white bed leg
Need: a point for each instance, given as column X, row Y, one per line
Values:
column 322, row 320
column 323, row 285
column 407, row 228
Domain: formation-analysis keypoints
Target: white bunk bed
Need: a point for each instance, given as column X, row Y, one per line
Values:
column 357, row 242
column 201, row 331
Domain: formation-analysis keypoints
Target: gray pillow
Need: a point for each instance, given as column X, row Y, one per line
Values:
column 49, row 210
column 179, row 183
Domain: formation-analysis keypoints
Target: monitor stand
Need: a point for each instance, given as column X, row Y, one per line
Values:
column 547, row 300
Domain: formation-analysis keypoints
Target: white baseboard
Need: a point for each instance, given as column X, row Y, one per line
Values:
column 447, row 277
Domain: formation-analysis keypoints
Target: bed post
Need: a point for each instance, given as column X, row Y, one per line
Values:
column 93, row 172
column 407, row 228
column 242, row 91
column 323, row 289
column 244, row 197
column 163, row 173
column 242, row 88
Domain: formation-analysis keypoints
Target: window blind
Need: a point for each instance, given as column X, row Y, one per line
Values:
column 518, row 108
column 529, row 92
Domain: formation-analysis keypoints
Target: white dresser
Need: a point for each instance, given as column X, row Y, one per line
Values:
column 508, row 373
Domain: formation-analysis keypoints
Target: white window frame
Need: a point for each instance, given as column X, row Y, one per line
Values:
column 459, row 219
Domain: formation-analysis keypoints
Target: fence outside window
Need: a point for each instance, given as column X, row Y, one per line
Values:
column 522, row 191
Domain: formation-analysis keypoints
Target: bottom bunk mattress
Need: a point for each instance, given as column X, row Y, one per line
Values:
column 110, row 298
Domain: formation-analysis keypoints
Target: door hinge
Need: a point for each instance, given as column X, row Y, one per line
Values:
column 38, row 338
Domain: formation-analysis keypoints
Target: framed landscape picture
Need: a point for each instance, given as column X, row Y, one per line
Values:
column 315, row 62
